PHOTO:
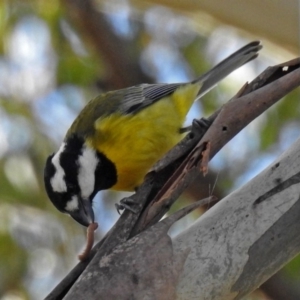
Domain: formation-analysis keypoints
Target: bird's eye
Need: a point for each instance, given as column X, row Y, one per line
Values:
column 71, row 186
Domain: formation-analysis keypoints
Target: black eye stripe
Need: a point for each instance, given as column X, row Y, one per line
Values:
column 68, row 160
column 74, row 145
column 68, row 163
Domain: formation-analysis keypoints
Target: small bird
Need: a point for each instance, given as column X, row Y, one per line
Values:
column 120, row 135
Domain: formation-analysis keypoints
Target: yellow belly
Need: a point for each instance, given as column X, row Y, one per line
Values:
column 135, row 142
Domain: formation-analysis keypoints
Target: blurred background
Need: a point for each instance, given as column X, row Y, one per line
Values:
column 56, row 55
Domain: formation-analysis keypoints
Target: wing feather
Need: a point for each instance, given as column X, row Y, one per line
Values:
column 141, row 96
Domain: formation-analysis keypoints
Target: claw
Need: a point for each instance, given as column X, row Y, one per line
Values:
column 201, row 123
column 198, row 127
column 126, row 203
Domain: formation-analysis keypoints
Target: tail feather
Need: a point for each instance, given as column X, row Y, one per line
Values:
column 228, row 65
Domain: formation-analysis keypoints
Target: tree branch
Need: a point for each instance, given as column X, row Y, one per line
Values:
column 245, row 238
column 162, row 187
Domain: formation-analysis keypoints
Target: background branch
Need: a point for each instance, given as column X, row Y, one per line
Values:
column 120, row 55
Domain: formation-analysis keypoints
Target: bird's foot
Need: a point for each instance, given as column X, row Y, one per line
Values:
column 198, row 127
column 126, row 203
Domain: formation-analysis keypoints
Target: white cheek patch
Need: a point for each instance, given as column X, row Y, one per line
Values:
column 86, row 174
column 57, row 181
column 72, row 204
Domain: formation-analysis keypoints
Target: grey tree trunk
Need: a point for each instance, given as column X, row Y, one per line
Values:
column 246, row 237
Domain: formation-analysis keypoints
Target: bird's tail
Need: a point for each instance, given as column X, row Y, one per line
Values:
column 228, row 65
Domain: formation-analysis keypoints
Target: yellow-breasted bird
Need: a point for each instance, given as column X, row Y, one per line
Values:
column 119, row 135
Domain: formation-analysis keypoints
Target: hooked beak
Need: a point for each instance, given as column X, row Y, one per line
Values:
column 84, row 215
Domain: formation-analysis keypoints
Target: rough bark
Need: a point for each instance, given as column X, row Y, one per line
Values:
column 246, row 237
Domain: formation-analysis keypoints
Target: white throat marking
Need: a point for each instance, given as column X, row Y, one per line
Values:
column 57, row 181
column 87, row 162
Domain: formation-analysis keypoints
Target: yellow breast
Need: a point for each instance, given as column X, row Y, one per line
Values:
column 135, row 142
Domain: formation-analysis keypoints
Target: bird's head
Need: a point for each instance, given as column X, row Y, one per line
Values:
column 74, row 174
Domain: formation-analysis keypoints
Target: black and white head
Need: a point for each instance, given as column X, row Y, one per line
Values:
column 73, row 176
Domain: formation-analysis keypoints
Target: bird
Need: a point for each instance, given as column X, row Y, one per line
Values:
column 119, row 135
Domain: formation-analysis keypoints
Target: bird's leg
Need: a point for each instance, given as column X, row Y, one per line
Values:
column 196, row 132
column 126, row 203
column 198, row 127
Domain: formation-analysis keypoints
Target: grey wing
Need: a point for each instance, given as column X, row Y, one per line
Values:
column 127, row 101
column 139, row 97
